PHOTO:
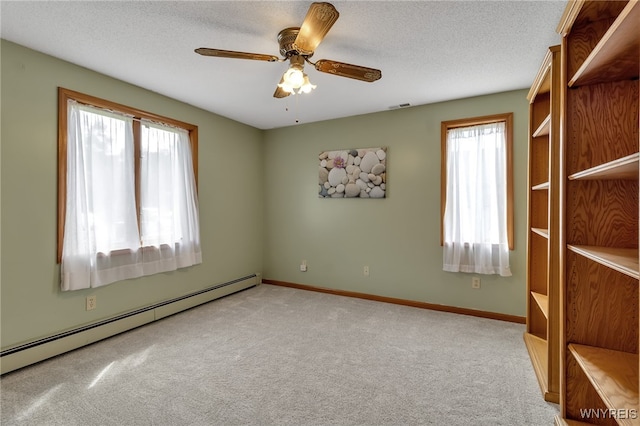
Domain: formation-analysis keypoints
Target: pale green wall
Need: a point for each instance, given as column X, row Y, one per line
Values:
column 398, row 237
column 263, row 216
column 32, row 305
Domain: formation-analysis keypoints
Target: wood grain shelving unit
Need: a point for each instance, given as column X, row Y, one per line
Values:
column 613, row 374
column 543, row 302
column 623, row 260
column 542, row 334
column 544, row 233
column 625, row 168
column 565, row 422
column 599, row 312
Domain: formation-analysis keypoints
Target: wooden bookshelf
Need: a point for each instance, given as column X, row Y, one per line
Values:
column 543, row 302
column 542, row 232
column 540, row 187
column 613, row 374
column 615, row 57
column 538, row 352
column 619, row 259
column 564, row 422
column 542, row 334
column 543, row 129
column 625, row 168
column 599, row 312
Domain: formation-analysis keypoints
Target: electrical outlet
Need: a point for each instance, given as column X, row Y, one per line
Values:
column 475, row 282
column 365, row 271
column 303, row 266
column 91, row 302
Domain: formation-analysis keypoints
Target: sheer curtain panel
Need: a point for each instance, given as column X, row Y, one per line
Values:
column 169, row 213
column 102, row 242
column 100, row 213
column 475, row 224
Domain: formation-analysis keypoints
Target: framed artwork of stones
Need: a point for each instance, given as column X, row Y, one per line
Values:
column 353, row 173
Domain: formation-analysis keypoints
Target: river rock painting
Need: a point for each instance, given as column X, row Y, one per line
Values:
column 353, row 173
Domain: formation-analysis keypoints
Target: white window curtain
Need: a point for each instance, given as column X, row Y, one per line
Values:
column 102, row 243
column 475, row 218
column 100, row 192
column 169, row 214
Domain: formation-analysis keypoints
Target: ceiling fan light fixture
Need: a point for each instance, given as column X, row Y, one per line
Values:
column 284, row 86
column 295, row 80
column 294, row 77
column 307, row 87
column 292, row 85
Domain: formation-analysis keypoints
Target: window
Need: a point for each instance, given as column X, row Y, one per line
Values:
column 477, row 194
column 127, row 194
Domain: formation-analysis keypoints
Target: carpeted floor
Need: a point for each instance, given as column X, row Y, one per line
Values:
column 280, row 356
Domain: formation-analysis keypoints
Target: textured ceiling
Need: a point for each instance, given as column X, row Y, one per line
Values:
column 428, row 51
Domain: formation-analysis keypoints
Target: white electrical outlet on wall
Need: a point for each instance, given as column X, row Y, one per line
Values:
column 475, row 282
column 91, row 302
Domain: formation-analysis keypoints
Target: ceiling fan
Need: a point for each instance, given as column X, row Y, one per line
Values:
column 297, row 45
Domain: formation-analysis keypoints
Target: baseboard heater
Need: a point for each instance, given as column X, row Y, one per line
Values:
column 29, row 353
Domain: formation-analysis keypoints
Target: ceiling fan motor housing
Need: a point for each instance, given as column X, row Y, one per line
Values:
column 286, row 40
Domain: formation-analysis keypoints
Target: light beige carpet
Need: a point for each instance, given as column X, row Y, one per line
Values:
column 281, row 356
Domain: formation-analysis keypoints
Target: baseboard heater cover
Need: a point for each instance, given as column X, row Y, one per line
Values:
column 38, row 350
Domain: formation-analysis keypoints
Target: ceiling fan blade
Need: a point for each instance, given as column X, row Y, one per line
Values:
column 347, row 70
column 319, row 20
column 236, row 55
column 280, row 93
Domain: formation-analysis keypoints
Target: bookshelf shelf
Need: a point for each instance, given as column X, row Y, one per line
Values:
column 620, row 259
column 613, row 374
column 625, row 168
column 543, row 302
column 543, row 129
column 615, row 57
